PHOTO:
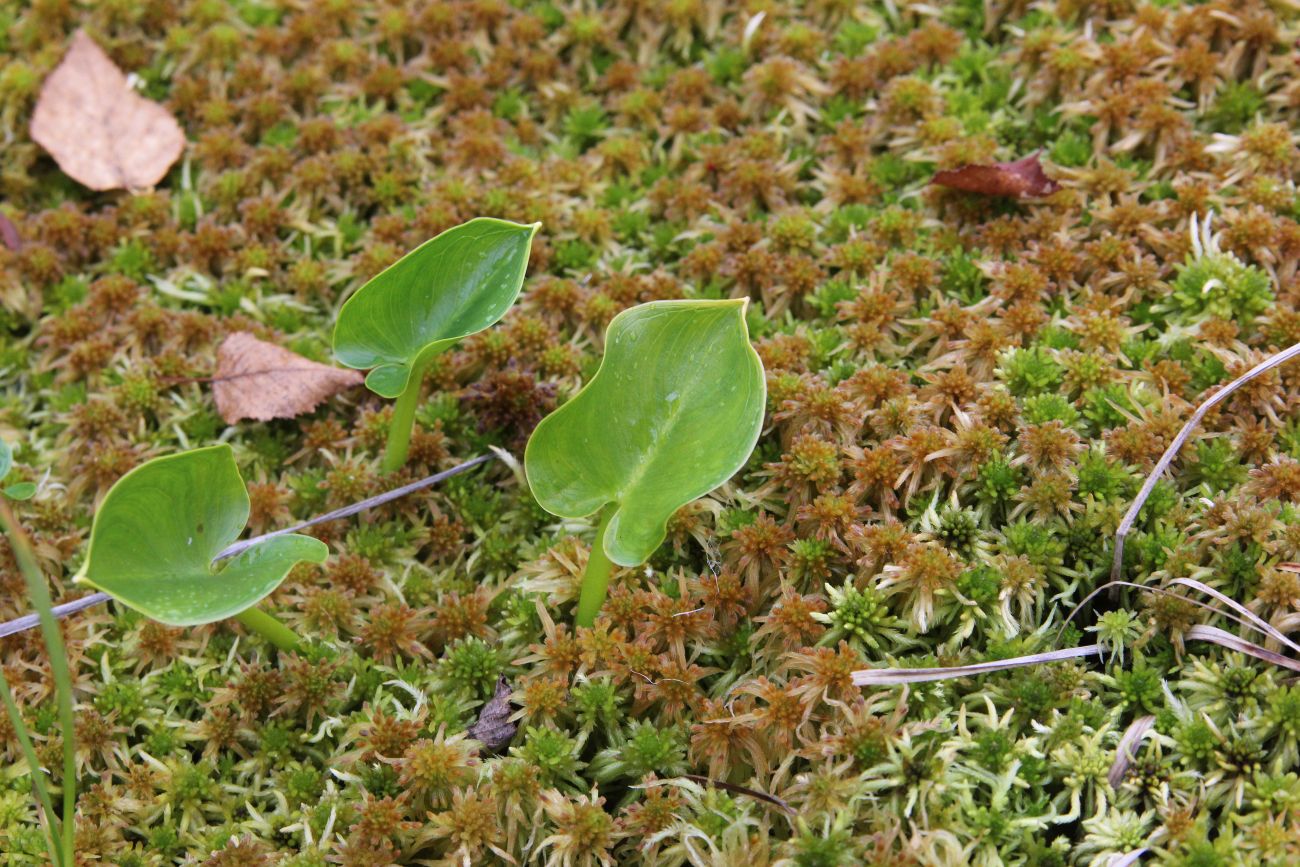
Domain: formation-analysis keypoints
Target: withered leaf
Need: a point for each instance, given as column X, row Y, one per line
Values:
column 741, row 790
column 100, row 131
column 9, row 234
column 494, row 730
column 1022, row 179
column 259, row 380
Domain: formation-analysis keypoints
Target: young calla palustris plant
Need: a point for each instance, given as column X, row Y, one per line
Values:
column 449, row 287
column 158, row 530
column 674, row 411
column 18, row 490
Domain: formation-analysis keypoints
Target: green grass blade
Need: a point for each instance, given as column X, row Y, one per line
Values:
column 40, row 598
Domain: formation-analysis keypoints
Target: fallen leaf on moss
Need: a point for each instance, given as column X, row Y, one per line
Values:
column 100, row 131
column 9, row 234
column 262, row 381
column 494, row 730
column 1022, row 179
column 741, row 790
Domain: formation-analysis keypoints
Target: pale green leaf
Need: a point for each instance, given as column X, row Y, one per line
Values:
column 451, row 286
column 20, row 491
column 158, row 529
column 674, row 411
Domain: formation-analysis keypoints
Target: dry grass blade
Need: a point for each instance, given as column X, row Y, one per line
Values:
column 881, row 676
column 1128, row 858
column 1127, row 748
column 262, row 381
column 100, row 131
column 1198, row 603
column 1232, row 642
column 1251, row 617
column 1214, row 400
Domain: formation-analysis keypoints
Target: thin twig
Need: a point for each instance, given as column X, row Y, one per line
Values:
column 346, row 511
column 29, row 621
column 1154, row 476
column 59, row 611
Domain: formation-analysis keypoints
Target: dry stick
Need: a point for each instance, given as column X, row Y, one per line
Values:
column 30, row 620
column 346, row 511
column 1154, row 476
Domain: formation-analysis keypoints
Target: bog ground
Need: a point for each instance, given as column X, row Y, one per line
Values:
column 995, row 256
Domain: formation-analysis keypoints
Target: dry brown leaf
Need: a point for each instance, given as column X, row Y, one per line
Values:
column 1022, row 179
column 494, row 730
column 9, row 234
column 100, row 131
column 262, row 381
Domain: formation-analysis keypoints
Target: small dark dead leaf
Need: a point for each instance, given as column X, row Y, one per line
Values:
column 262, row 381
column 9, row 234
column 493, row 728
column 741, row 790
column 1022, row 179
column 100, row 131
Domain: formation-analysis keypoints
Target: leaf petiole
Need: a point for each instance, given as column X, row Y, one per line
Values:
column 399, row 429
column 267, row 626
column 595, row 579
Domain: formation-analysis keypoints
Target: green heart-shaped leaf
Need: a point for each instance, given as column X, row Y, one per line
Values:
column 18, row 490
column 674, row 411
column 449, row 287
column 21, row 491
column 159, row 528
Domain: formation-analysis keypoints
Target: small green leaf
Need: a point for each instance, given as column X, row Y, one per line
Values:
column 674, row 411
column 21, row 491
column 18, row 490
column 159, row 528
column 449, row 287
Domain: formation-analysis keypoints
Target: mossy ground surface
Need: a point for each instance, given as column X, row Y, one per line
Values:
column 964, row 396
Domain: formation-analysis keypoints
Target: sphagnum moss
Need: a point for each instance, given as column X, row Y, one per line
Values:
column 963, row 396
